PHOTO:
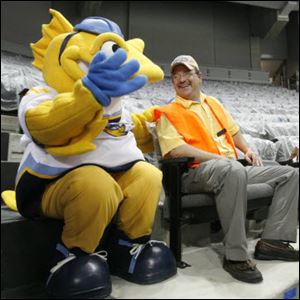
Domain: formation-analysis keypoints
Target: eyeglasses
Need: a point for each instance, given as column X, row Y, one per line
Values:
column 184, row 75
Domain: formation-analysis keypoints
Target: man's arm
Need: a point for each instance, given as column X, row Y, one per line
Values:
column 173, row 145
column 190, row 151
column 250, row 156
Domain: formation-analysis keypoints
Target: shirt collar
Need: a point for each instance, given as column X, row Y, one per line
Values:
column 188, row 103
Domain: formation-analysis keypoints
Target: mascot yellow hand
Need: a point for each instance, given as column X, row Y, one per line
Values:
column 140, row 130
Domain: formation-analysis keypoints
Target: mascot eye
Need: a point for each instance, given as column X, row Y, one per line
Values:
column 115, row 47
column 109, row 48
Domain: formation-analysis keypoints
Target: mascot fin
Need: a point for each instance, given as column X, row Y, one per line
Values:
column 58, row 25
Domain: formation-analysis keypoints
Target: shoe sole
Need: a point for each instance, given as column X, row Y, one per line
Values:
column 96, row 294
column 243, row 279
column 270, row 257
column 147, row 280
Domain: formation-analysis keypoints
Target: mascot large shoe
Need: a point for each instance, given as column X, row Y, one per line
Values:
column 79, row 277
column 141, row 261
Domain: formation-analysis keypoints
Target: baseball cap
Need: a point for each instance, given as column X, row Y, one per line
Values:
column 186, row 60
column 98, row 25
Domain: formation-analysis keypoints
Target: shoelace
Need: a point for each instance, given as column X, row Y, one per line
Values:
column 62, row 262
column 59, row 265
column 248, row 264
column 137, row 248
column 101, row 253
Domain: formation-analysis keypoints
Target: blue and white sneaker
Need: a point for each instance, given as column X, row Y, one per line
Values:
column 142, row 263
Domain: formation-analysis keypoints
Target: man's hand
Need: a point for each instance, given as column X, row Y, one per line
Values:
column 108, row 77
column 253, row 158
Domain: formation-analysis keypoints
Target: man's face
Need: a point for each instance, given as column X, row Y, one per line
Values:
column 186, row 82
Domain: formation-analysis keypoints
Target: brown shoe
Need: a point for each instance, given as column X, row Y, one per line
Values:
column 243, row 270
column 275, row 250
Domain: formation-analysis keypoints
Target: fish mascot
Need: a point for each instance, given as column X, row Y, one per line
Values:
column 83, row 162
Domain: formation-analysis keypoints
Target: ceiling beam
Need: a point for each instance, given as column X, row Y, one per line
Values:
column 282, row 18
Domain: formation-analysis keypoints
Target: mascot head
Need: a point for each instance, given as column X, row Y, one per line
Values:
column 64, row 52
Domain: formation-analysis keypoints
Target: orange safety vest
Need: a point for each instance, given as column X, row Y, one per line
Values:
column 189, row 125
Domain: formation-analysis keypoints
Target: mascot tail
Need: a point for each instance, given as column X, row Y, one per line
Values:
column 9, row 198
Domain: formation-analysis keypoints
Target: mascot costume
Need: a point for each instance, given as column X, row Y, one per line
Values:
column 83, row 161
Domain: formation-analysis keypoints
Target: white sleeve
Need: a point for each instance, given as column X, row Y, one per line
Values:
column 33, row 98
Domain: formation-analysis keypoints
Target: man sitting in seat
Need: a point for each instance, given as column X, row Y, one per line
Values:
column 196, row 125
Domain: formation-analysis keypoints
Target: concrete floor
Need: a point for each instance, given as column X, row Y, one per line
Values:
column 207, row 279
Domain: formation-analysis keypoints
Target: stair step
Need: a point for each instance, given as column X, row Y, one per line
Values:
column 8, row 175
column 11, row 149
column 9, row 123
column 34, row 291
column 4, row 145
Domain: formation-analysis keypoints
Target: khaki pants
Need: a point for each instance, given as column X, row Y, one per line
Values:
column 88, row 197
column 228, row 180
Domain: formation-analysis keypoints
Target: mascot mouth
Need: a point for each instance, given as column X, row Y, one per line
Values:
column 83, row 66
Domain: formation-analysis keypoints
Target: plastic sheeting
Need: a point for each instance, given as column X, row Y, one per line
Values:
column 263, row 112
column 265, row 148
column 285, row 146
column 16, row 74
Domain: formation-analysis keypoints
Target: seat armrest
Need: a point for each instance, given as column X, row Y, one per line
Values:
column 172, row 171
column 181, row 163
column 244, row 162
column 289, row 162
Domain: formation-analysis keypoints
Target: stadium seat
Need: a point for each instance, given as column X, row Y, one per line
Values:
column 183, row 208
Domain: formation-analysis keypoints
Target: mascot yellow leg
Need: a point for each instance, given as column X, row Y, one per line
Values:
column 9, row 198
column 141, row 186
column 86, row 198
column 132, row 254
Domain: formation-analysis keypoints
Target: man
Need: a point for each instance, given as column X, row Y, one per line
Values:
column 196, row 125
